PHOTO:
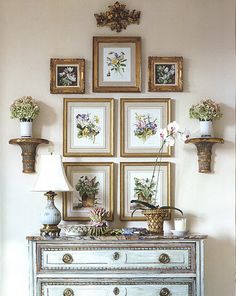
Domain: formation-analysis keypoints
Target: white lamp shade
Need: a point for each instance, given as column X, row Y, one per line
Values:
column 51, row 175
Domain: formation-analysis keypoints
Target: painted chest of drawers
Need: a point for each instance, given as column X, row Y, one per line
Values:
column 124, row 266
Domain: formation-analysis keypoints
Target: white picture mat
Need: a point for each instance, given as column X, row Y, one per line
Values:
column 143, row 171
column 102, row 174
column 102, row 62
column 136, row 146
column 103, row 140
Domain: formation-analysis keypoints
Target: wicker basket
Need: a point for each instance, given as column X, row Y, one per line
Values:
column 155, row 219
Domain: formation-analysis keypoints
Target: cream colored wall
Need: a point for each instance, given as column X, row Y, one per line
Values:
column 201, row 31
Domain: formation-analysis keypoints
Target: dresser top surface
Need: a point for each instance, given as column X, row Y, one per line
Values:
column 189, row 236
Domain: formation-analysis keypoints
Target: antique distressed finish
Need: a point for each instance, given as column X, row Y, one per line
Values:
column 204, row 151
column 117, row 17
column 120, row 265
column 28, row 147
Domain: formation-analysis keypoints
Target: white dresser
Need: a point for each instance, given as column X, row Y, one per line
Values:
column 124, row 266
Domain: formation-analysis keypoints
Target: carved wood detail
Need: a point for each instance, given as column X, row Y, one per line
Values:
column 28, row 147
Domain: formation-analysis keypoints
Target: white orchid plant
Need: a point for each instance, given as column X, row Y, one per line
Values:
column 169, row 136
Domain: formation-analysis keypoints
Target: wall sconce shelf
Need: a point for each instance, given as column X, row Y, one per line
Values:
column 28, row 147
column 204, row 151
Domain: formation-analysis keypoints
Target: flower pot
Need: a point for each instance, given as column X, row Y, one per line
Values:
column 88, row 201
column 206, row 128
column 155, row 219
column 26, row 129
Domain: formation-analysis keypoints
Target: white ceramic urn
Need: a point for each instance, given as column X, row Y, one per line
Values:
column 206, row 128
column 51, row 215
column 26, row 129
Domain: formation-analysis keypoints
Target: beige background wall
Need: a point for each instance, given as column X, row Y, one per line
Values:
column 201, row 31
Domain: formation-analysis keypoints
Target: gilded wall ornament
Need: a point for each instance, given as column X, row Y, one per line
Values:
column 117, row 17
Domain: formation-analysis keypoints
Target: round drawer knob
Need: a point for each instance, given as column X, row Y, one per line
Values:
column 116, row 256
column 164, row 258
column 68, row 292
column 164, row 292
column 116, row 291
column 67, row 258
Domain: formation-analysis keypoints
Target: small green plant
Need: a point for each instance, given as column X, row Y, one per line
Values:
column 25, row 109
column 144, row 189
column 206, row 110
column 147, row 206
column 87, row 186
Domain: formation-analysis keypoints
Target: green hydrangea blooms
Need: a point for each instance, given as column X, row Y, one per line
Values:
column 25, row 109
column 206, row 110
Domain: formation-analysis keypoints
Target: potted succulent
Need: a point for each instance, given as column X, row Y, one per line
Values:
column 155, row 215
column 26, row 110
column 206, row 111
column 88, row 189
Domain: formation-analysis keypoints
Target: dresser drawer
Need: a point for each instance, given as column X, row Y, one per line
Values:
column 159, row 259
column 110, row 287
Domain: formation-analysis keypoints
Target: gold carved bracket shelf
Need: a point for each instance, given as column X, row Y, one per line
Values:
column 28, row 147
column 204, row 151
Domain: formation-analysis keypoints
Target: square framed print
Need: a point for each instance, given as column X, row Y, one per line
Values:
column 93, row 187
column 139, row 124
column 116, row 64
column 67, row 76
column 88, row 127
column 165, row 74
column 136, row 183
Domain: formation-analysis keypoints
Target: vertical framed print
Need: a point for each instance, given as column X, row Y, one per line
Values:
column 67, row 76
column 93, row 187
column 140, row 121
column 165, row 74
column 137, row 183
column 116, row 64
column 88, row 127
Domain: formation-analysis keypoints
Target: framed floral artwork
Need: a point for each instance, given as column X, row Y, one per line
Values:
column 67, row 76
column 165, row 74
column 140, row 121
column 93, row 187
column 88, row 127
column 116, row 64
column 137, row 182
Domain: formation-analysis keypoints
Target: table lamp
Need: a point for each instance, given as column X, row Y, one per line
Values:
column 51, row 179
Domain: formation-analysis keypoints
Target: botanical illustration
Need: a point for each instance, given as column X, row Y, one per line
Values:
column 88, row 189
column 87, row 126
column 165, row 73
column 116, row 63
column 145, row 127
column 67, row 76
column 145, row 189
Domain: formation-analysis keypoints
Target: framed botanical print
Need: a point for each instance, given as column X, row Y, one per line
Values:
column 116, row 64
column 138, row 182
column 67, row 76
column 93, row 187
column 140, row 121
column 165, row 74
column 88, row 127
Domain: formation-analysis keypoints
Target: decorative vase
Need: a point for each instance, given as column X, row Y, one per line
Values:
column 206, row 128
column 51, row 215
column 88, row 201
column 155, row 219
column 26, row 129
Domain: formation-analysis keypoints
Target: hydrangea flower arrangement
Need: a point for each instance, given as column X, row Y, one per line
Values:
column 25, row 109
column 206, row 110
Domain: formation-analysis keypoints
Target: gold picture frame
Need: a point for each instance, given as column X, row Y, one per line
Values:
column 116, row 64
column 143, row 171
column 67, row 76
column 153, row 111
column 77, row 207
column 165, row 74
column 88, row 127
